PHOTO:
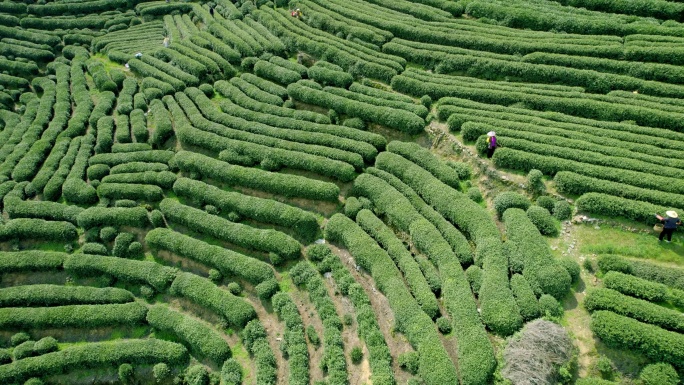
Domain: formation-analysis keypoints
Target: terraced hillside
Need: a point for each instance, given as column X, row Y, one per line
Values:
column 260, row 192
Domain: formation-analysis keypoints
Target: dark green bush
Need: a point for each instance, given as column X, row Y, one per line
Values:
column 546, row 202
column 45, row 345
column 474, row 194
column 659, row 374
column 543, row 220
column 409, row 361
column 474, row 275
column 23, row 350
column 535, row 182
column 444, row 325
column 550, row 306
column 161, row 372
column 356, row 355
column 509, row 199
column 19, row 338
column 126, row 373
column 562, row 210
column 572, row 268
column 231, row 372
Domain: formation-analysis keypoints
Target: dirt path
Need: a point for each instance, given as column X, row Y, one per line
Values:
column 577, row 318
column 396, row 342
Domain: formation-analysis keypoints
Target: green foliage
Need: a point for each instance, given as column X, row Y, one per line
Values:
column 525, row 298
column 669, row 276
column 562, row 210
column 474, row 194
column 474, row 276
column 659, row 374
column 231, row 372
column 605, row 367
column 572, row 268
column 197, row 375
column 271, row 71
column 125, row 373
column 608, row 299
column 391, row 117
column 550, row 306
column 161, row 372
column 443, row 325
column 73, row 316
column 543, row 220
column 625, row 333
column 635, row 287
column 329, row 75
column 546, row 202
column 277, row 183
column 201, row 291
column 23, row 350
column 5, row 357
column 118, row 216
column 45, row 345
column 24, row 228
column 542, row 271
column 509, row 199
column 409, row 361
column 535, row 183
column 356, row 355
column 152, row 273
column 56, row 295
column 17, row 208
column 427, row 160
column 228, row 262
column 313, row 336
column 254, row 339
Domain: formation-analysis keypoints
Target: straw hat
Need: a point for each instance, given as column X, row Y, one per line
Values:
column 491, row 133
column 671, row 214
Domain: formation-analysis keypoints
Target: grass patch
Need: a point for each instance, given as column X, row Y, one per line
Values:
column 612, row 240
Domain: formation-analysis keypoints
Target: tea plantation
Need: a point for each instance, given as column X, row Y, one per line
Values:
column 296, row 192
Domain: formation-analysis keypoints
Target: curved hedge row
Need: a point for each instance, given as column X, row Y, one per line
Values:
column 200, row 290
column 644, row 311
column 17, row 208
column 669, row 276
column 604, row 204
column 397, row 251
column 391, row 117
column 425, row 159
column 635, row 286
column 31, row 261
column 153, row 156
column 237, row 96
column 115, row 216
column 151, row 273
column 58, row 295
column 76, row 316
column 280, row 184
column 235, row 233
column 459, row 244
column 163, row 179
column 24, row 228
column 271, row 71
column 435, row 366
column 572, row 183
column 544, row 273
column 145, row 192
column 260, row 209
column 94, row 355
column 625, row 333
column 199, row 337
column 226, row 261
column 297, row 350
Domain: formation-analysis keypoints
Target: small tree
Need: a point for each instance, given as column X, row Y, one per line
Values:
column 535, row 182
column 356, row 355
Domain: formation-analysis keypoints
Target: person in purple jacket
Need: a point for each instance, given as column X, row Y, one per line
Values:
column 670, row 223
column 491, row 143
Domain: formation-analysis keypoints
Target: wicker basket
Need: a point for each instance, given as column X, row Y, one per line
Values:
column 658, row 228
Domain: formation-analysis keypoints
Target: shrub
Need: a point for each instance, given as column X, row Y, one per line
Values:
column 231, row 372
column 234, row 288
column 327, row 75
column 34, row 381
column 352, row 207
column 23, row 350
column 605, row 367
column 45, row 345
column 108, row 233
column 5, row 357
column 19, row 338
column 119, row 216
column 356, row 355
column 409, row 361
column 509, row 199
column 546, row 202
column 24, row 228
column 83, row 316
column 562, row 210
column 274, row 72
column 200, row 338
column 550, row 306
column 313, row 336
column 444, row 325
column 157, row 219
column 474, row 194
column 125, row 373
column 659, row 374
column 161, row 372
column 266, row 289
column 543, row 220
column 572, row 268
column 535, row 182
column 524, row 297
column 427, row 160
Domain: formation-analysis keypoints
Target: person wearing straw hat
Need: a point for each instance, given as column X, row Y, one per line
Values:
column 491, row 143
column 670, row 223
